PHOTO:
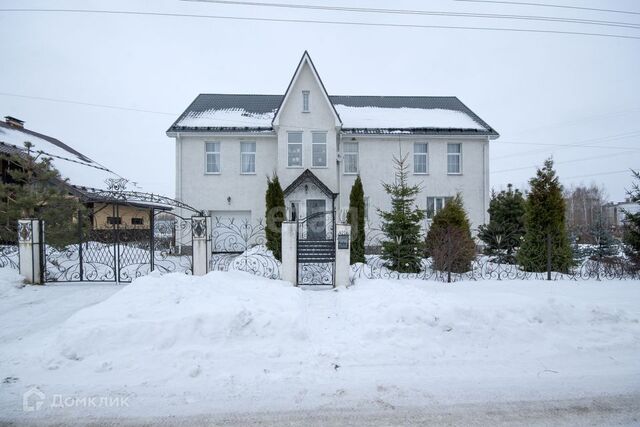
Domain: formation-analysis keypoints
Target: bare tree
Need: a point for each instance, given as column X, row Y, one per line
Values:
column 584, row 210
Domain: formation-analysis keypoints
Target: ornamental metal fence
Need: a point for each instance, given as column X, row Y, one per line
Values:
column 589, row 263
column 9, row 256
column 115, row 252
column 489, row 268
column 239, row 244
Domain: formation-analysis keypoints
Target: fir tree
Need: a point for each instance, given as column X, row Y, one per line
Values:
column 449, row 240
column 275, row 211
column 402, row 247
column 355, row 217
column 35, row 189
column 503, row 234
column 546, row 233
column 632, row 225
column 604, row 244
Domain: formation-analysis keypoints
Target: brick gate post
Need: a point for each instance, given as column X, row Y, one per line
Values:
column 343, row 254
column 289, row 252
column 201, row 246
column 30, row 250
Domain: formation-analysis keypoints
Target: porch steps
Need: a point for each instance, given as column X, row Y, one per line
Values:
column 316, row 251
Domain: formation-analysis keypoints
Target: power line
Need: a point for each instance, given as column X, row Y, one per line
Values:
column 598, row 174
column 414, row 12
column 561, row 6
column 112, row 107
column 325, row 22
column 572, row 122
column 564, row 162
column 67, row 101
column 578, row 144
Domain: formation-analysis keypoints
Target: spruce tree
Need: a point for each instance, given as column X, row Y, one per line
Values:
column 355, row 217
column 402, row 248
column 506, row 224
column 545, row 225
column 632, row 225
column 449, row 240
column 35, row 189
column 604, row 244
column 275, row 211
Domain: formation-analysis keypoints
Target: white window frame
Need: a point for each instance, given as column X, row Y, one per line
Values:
column 459, row 155
column 306, row 101
column 217, row 144
column 425, row 155
column 289, row 165
column 313, row 144
column 248, row 153
column 355, row 153
column 443, row 201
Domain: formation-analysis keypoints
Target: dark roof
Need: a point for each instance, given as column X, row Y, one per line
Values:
column 52, row 140
column 263, row 104
column 308, row 175
column 10, row 149
column 13, row 119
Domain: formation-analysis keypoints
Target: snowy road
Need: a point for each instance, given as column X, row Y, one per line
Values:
column 601, row 411
column 230, row 348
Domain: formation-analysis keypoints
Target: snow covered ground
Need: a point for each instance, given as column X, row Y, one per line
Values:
column 198, row 349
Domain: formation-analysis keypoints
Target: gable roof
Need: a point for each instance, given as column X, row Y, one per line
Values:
column 415, row 114
column 306, row 59
column 423, row 115
column 310, row 176
column 73, row 165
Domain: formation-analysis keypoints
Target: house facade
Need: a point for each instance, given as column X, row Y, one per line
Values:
column 227, row 144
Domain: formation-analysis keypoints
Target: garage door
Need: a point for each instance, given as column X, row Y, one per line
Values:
column 232, row 231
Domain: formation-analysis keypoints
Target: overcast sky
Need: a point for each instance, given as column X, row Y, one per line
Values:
column 534, row 88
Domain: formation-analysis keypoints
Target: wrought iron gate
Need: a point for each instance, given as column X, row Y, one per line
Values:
column 316, row 249
column 110, row 251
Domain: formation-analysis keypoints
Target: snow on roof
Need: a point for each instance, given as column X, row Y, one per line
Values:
column 79, row 169
column 405, row 118
column 362, row 114
column 236, row 117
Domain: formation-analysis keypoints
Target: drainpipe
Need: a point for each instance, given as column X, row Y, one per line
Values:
column 485, row 179
column 338, row 178
column 179, row 170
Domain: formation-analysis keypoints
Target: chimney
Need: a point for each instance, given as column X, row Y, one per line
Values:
column 13, row 122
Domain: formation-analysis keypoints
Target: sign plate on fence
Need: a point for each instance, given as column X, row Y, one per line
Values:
column 343, row 241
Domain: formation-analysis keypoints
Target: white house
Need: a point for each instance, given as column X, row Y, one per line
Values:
column 317, row 143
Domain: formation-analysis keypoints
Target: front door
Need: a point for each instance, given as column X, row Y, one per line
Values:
column 316, row 224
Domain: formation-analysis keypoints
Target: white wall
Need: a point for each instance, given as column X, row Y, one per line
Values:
column 320, row 118
column 376, row 166
column 209, row 192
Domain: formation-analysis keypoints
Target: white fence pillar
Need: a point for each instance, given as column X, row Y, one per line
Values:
column 30, row 250
column 201, row 254
column 289, row 252
column 343, row 254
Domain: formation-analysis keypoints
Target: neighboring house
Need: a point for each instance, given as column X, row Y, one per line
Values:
column 616, row 213
column 85, row 178
column 227, row 144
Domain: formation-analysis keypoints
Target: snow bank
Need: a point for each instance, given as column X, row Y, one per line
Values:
column 177, row 312
column 10, row 281
column 231, row 341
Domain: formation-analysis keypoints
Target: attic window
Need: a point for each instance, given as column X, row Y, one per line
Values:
column 305, row 101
